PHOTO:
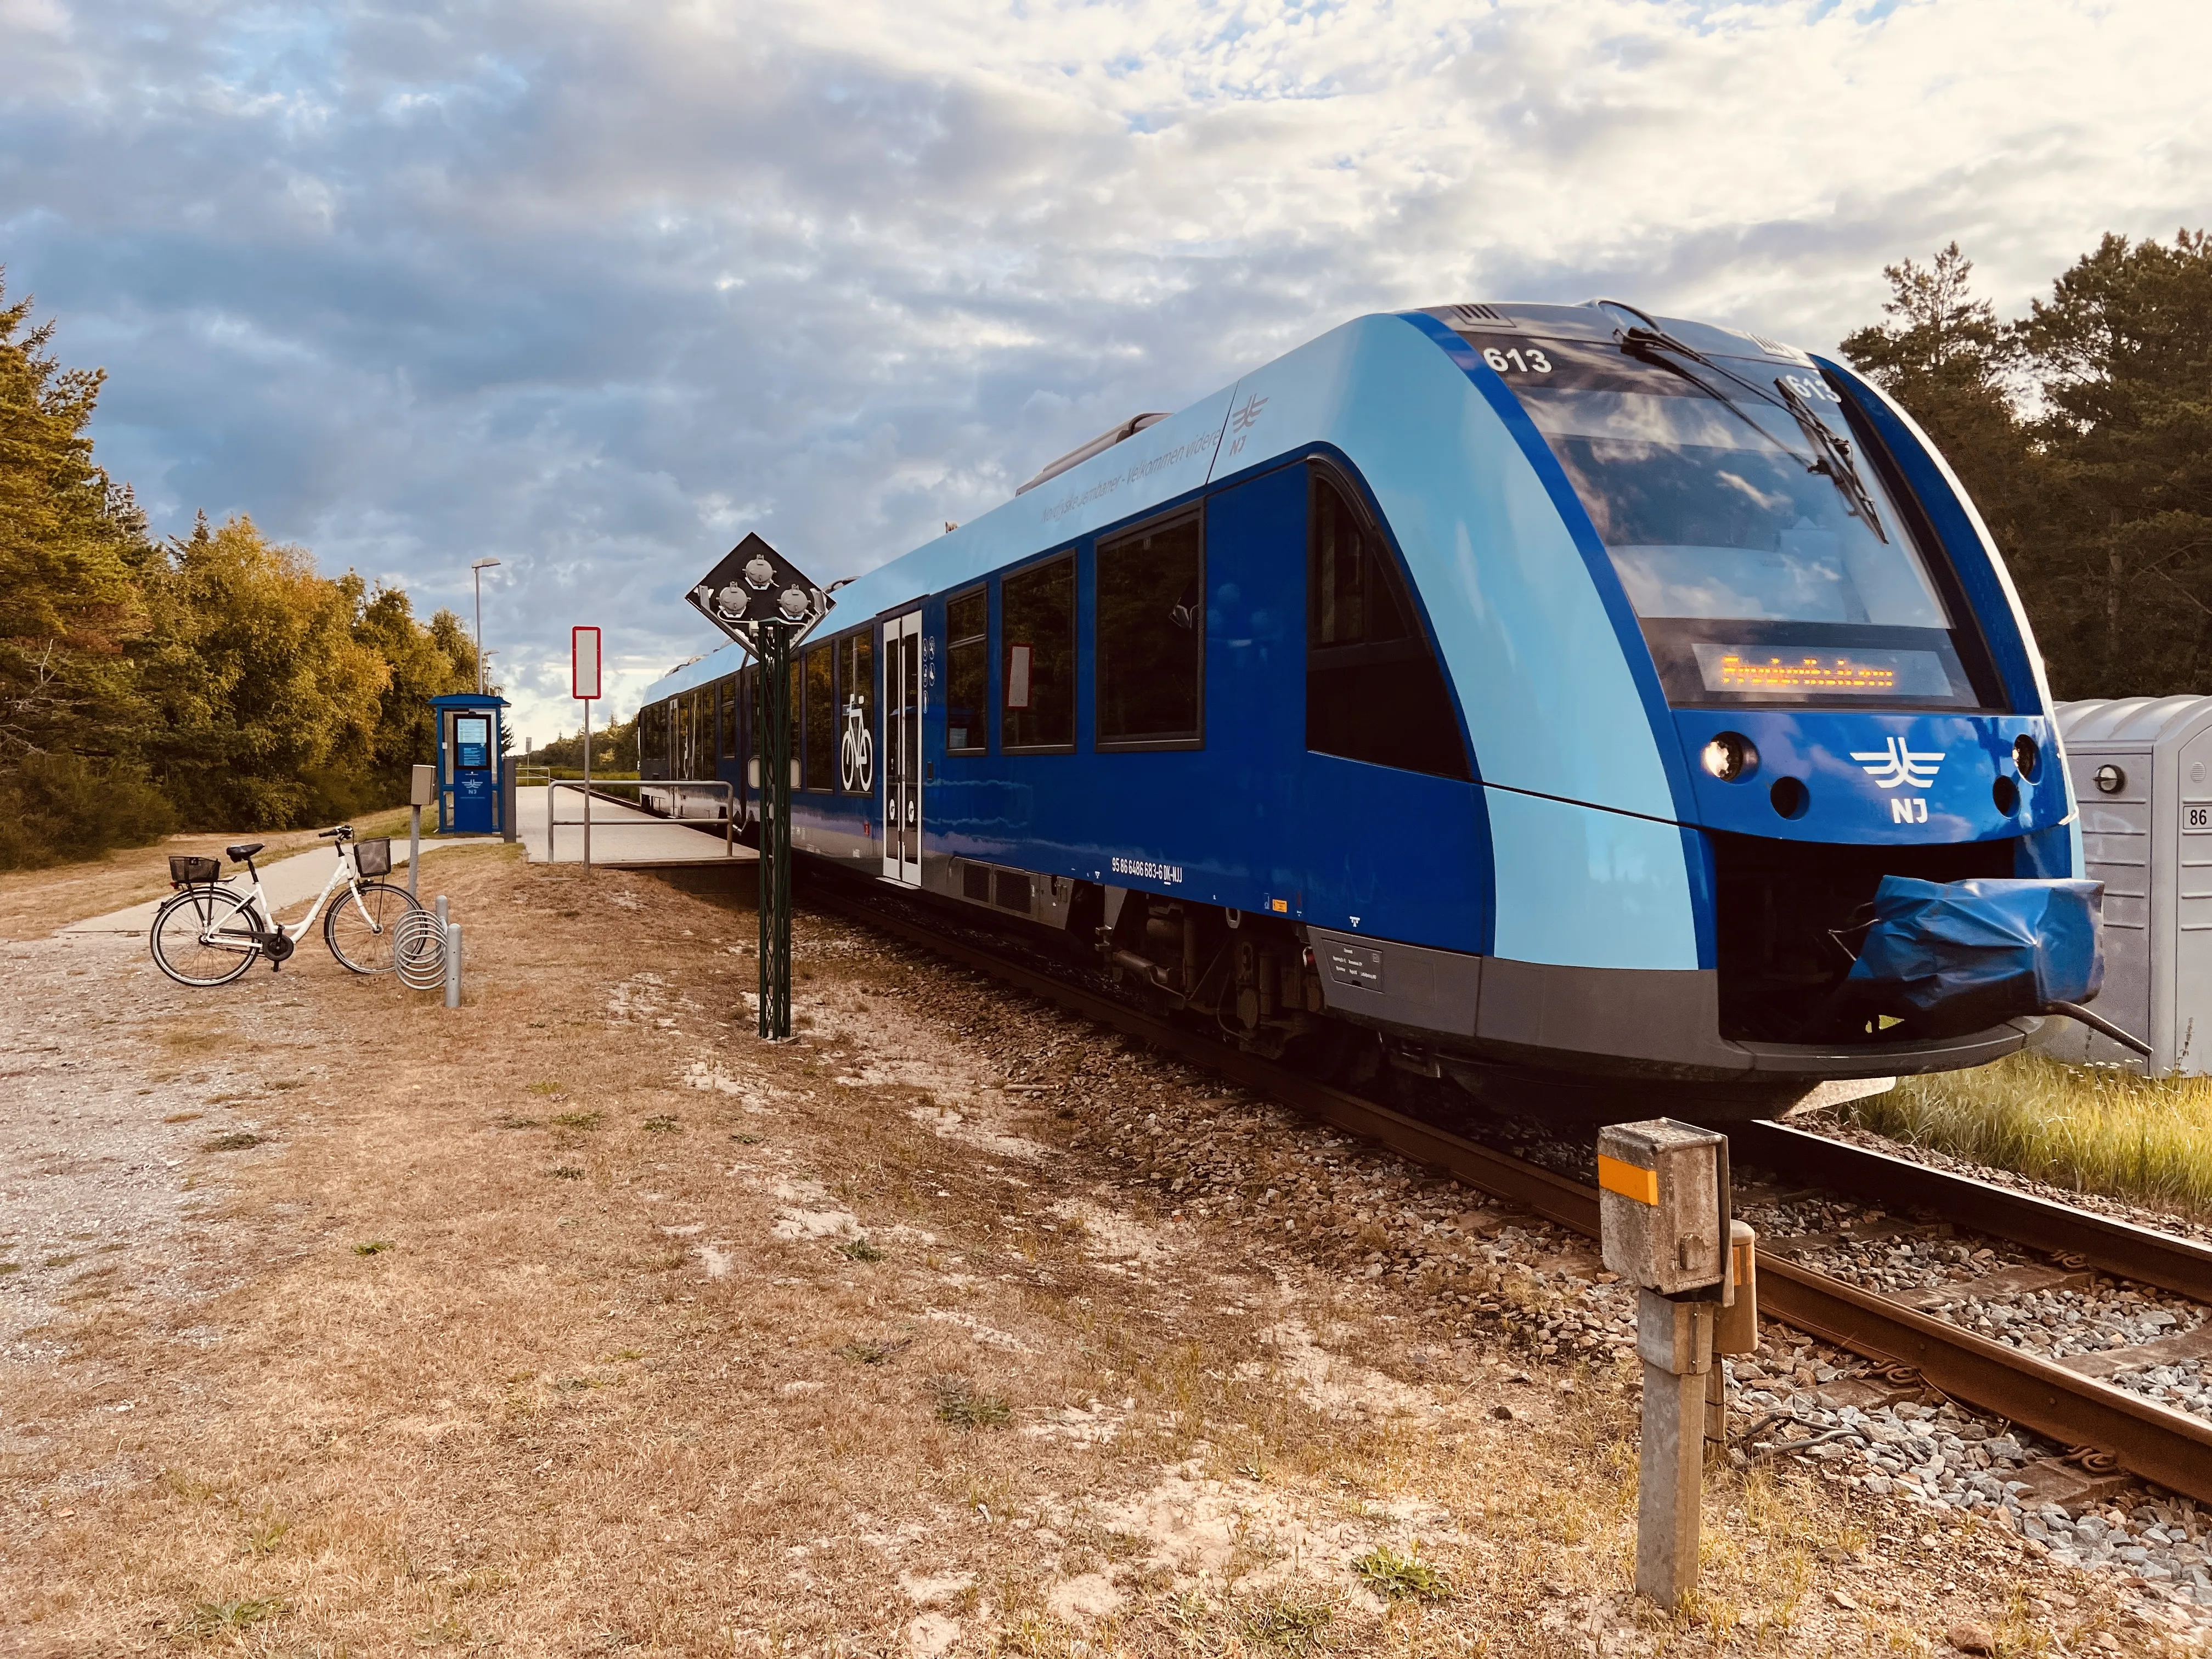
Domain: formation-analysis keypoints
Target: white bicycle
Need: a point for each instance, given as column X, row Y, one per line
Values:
column 211, row 932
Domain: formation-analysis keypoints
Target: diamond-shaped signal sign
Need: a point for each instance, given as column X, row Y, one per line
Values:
column 755, row 585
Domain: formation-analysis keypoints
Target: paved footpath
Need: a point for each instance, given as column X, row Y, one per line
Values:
column 287, row 882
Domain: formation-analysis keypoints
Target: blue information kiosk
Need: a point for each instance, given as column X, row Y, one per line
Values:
column 470, row 799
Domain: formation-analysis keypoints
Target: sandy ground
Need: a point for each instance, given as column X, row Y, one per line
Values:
column 579, row 1322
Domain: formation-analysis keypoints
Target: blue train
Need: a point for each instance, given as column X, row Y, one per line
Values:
column 1532, row 695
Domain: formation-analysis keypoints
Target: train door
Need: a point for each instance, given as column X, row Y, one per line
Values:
column 902, row 749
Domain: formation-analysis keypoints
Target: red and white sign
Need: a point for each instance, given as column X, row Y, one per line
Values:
column 584, row 663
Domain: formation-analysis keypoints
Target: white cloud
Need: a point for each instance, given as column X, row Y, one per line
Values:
column 592, row 288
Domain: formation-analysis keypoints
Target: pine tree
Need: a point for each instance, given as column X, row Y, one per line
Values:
column 72, row 545
column 1945, row 356
column 2122, row 355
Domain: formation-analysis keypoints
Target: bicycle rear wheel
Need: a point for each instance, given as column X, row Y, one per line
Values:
column 358, row 925
column 204, row 936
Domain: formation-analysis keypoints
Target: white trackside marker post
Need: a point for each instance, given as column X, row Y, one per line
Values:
column 1664, row 1223
column 423, row 791
column 452, row 964
column 583, row 687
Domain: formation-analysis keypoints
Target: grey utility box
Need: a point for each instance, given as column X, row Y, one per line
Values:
column 2142, row 771
column 1659, row 1203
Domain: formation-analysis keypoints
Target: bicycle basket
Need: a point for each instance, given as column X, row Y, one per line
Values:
column 187, row 870
column 372, row 858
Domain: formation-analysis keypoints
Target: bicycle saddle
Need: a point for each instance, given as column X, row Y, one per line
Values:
column 243, row 851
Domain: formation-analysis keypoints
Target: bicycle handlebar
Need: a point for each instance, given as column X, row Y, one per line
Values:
column 344, row 832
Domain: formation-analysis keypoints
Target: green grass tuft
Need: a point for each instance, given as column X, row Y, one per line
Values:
column 211, row 1619
column 962, row 1409
column 2095, row 1128
column 373, row 1247
column 662, row 1125
column 866, row 1353
column 566, row 1172
column 1390, row 1574
column 860, row 1251
column 1286, row 1626
column 578, row 1121
column 236, row 1141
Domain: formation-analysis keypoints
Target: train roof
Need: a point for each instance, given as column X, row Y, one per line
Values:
column 1160, row 459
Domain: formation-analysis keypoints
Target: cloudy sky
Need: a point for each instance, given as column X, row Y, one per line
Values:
column 593, row 288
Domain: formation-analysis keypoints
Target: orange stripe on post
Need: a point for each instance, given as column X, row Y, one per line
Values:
column 1628, row 1180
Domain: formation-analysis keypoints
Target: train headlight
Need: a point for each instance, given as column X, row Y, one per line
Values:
column 1730, row 756
column 2109, row 779
column 2025, row 756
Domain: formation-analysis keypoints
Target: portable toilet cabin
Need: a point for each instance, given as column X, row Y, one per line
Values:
column 2141, row 770
column 472, row 799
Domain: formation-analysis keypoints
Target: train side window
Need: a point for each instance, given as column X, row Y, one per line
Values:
column 1036, row 620
column 1374, row 691
column 820, row 720
column 652, row 734
column 856, row 715
column 726, row 747
column 967, row 672
column 1151, row 635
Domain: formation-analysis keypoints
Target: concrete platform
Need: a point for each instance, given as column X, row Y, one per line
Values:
column 622, row 837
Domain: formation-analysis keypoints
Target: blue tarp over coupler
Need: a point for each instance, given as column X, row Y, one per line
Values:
column 1963, row 956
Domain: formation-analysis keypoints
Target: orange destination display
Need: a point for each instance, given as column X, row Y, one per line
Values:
column 1794, row 672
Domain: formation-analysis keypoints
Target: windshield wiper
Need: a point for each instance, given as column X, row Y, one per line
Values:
column 1831, row 455
column 1835, row 455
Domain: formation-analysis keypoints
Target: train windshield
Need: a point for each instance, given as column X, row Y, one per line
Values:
column 1760, row 547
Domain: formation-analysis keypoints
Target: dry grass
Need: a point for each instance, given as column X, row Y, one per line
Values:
column 2095, row 1128
column 34, row 902
column 426, row 1395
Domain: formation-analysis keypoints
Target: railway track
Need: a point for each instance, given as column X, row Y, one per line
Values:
column 2107, row 1429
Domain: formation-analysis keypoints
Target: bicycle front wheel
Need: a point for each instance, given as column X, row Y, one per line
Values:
column 204, row 936
column 358, row 925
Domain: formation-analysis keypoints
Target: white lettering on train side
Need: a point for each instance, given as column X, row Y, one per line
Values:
column 1170, row 874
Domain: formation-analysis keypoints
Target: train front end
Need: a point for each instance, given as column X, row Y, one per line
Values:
column 1841, row 683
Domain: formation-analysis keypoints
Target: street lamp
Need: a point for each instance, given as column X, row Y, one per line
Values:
column 477, row 570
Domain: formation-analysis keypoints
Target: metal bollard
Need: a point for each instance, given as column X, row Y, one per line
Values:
column 453, row 963
column 439, row 905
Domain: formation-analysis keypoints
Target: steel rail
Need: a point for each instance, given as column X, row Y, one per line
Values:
column 2119, row 1248
column 2168, row 1449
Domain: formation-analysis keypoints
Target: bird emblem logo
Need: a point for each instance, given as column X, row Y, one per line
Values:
column 1897, row 764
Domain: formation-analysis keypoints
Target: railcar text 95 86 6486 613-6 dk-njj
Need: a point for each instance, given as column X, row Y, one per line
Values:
column 1534, row 695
